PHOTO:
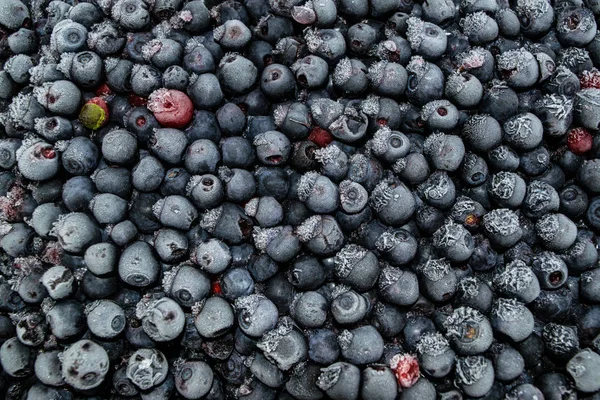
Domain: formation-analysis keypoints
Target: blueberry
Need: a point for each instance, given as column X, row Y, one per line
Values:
column 475, row 375
column 582, row 369
column 59, row 281
column 105, row 319
column 147, row 368
column 101, row 258
column 137, row 265
column 16, row 358
column 205, row 91
column 85, row 365
column 399, row 287
column 435, row 355
column 256, row 314
column 511, row 318
column 162, row 319
column 518, row 281
column 171, row 245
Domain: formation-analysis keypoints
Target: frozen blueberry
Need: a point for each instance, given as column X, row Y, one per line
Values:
column 101, row 258
column 59, row 281
column 84, row 365
column 215, row 318
column 147, row 368
column 556, row 231
column 137, row 265
column 511, row 318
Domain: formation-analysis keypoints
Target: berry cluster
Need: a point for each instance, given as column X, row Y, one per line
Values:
column 299, row 199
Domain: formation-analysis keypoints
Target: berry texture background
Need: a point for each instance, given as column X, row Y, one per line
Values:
column 299, row 199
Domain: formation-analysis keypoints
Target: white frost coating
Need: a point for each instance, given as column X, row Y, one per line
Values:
column 329, row 377
column 381, row 195
column 532, row 8
column 470, row 369
column 307, row 181
column 64, row 65
column 461, row 317
column 474, row 23
column 197, row 307
column 418, row 66
column 219, row 32
column 262, row 237
column 47, row 305
column 449, row 235
column 312, row 39
column 270, row 340
column 144, row 305
column 399, row 165
column 179, row 20
column 434, row 143
column 249, row 303
column 519, row 128
column 158, row 207
column 168, row 278
column 435, row 269
column 388, row 276
column 369, row 106
column 501, row 221
column 431, row 107
column 329, row 154
column 471, row 59
column 503, row 185
column 210, row 218
column 507, row 309
column 436, row 187
column 91, row 306
column 359, row 167
column 379, row 143
column 514, row 277
column 309, row 228
column 347, row 258
column 386, row 242
column 342, row 71
column 514, row 59
column 192, row 183
column 433, row 344
column 464, row 205
column 100, row 30
column 414, row 32
column 376, row 72
column 251, row 207
column 455, row 84
column 344, row 339
column 559, row 105
column 559, row 338
column 548, row 227
column 339, row 290
column 280, row 113
column 474, row 125
column 539, row 195
column 468, row 287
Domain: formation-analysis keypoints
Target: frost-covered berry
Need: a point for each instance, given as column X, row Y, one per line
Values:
column 84, row 365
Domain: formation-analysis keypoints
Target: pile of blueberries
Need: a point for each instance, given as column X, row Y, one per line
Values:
column 299, row 199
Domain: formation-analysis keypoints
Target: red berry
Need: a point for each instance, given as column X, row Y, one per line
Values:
column 579, row 141
column 172, row 108
column 48, row 152
column 137, row 101
column 103, row 90
column 590, row 79
column 216, row 287
column 320, row 136
column 406, row 369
